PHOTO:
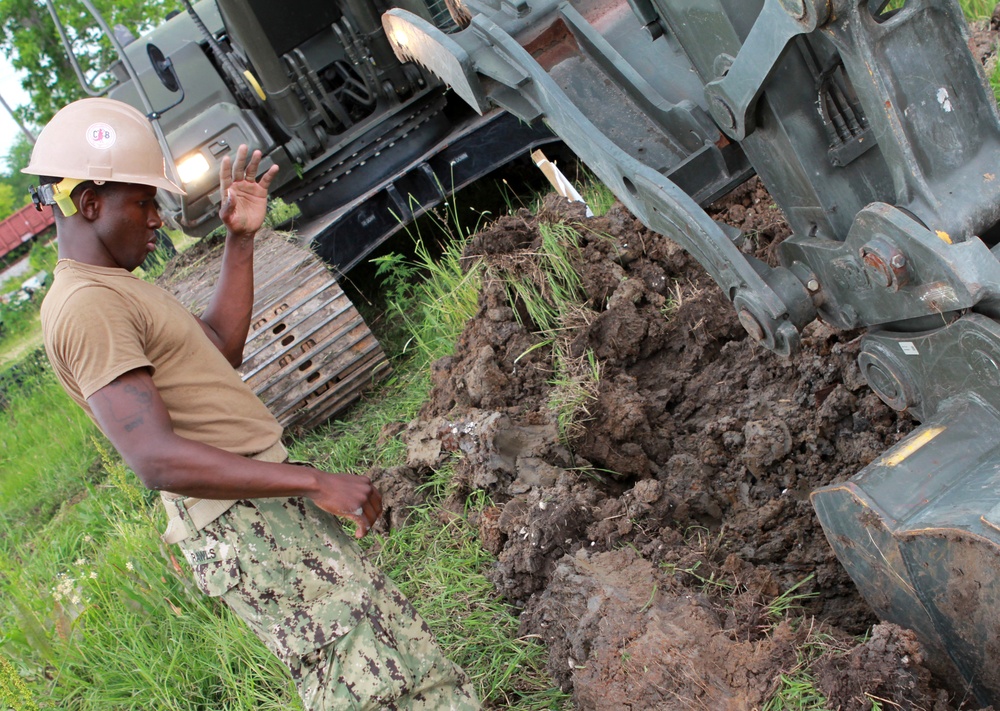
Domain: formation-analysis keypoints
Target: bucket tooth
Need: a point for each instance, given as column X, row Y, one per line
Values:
column 416, row 40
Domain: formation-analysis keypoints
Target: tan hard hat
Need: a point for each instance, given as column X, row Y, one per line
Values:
column 103, row 140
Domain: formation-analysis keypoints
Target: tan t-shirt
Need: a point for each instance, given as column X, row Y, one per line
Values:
column 101, row 322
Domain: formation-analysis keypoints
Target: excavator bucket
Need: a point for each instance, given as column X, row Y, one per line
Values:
column 919, row 532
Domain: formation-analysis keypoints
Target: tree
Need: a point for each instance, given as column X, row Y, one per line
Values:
column 20, row 154
column 28, row 37
column 7, row 201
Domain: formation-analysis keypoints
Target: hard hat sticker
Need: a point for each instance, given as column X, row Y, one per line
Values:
column 101, row 135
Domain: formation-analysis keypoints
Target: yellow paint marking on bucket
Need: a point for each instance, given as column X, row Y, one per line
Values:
column 944, row 236
column 912, row 446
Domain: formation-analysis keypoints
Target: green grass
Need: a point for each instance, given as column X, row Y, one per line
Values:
column 431, row 562
column 545, row 287
column 796, row 687
column 994, row 79
column 42, row 255
column 574, row 391
column 95, row 616
column 16, row 345
column 596, row 194
column 789, row 601
column 973, row 9
column 280, row 212
column 977, row 9
column 797, row 692
column 46, row 454
column 433, row 294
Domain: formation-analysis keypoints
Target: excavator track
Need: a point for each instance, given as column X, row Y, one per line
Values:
column 309, row 353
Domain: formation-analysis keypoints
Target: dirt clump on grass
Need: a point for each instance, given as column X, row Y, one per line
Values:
column 648, row 470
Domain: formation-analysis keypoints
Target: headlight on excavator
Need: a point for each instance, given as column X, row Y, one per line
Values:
column 192, row 167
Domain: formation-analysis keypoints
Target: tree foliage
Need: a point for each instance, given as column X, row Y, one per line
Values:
column 18, row 158
column 13, row 183
column 7, row 201
column 29, row 39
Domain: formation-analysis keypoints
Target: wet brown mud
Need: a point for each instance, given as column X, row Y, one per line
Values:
column 647, row 542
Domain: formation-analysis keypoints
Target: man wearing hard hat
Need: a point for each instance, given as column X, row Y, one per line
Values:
column 162, row 385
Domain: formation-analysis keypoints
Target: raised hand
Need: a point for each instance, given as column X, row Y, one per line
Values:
column 244, row 198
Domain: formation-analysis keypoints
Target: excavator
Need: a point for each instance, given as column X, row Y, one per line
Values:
column 869, row 121
column 877, row 134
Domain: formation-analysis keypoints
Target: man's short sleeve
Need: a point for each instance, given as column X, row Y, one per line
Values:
column 97, row 336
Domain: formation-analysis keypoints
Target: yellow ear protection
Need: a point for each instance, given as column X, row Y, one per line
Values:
column 58, row 194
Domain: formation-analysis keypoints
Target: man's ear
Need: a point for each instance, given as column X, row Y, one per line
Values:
column 88, row 203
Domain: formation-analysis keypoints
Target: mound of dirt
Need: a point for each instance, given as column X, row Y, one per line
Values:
column 647, row 540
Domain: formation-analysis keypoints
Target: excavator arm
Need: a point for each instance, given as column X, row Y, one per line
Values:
column 876, row 133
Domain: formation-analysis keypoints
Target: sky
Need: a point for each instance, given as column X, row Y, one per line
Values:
column 14, row 95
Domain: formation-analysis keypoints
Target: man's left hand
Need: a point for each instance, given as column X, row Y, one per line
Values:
column 244, row 197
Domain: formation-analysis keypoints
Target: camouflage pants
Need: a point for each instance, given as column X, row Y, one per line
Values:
column 348, row 636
